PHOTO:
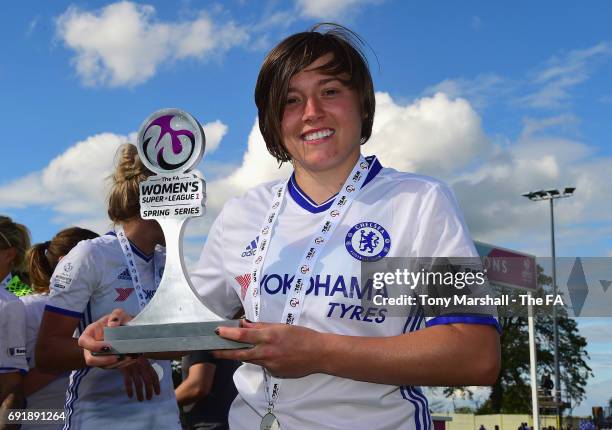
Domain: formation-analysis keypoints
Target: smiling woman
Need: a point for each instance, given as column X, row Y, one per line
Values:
column 323, row 358
column 321, row 127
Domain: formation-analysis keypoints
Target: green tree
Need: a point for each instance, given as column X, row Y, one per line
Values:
column 511, row 393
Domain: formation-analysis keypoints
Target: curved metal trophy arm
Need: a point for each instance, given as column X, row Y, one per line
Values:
column 176, row 300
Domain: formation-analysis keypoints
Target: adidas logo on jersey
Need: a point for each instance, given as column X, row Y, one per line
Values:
column 125, row 275
column 251, row 247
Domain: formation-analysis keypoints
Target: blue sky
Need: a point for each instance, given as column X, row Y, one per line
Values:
column 495, row 98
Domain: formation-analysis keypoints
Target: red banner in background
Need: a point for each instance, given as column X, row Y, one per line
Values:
column 507, row 267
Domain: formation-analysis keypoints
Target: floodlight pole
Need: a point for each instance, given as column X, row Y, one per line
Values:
column 555, row 322
column 552, row 195
column 532, row 368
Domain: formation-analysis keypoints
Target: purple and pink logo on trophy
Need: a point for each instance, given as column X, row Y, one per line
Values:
column 171, row 141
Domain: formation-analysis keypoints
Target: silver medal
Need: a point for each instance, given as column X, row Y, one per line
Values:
column 269, row 422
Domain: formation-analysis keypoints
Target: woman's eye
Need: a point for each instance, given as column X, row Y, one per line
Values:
column 330, row 91
column 291, row 100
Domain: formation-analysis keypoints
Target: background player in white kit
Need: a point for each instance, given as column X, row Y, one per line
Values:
column 14, row 240
column 342, row 365
column 45, row 390
column 89, row 282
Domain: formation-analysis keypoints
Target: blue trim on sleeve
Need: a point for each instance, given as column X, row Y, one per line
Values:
column 63, row 311
column 465, row 319
column 12, row 370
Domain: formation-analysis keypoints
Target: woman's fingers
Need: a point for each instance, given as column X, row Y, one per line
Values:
column 138, row 384
column 104, row 361
column 92, row 340
column 140, row 377
column 127, row 382
column 148, row 375
column 256, row 334
column 93, row 336
column 245, row 334
column 155, row 379
column 118, row 317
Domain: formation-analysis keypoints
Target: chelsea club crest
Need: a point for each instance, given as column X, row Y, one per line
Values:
column 368, row 241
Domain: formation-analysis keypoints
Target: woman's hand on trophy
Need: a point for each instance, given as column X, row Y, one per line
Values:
column 92, row 341
column 286, row 351
column 140, row 375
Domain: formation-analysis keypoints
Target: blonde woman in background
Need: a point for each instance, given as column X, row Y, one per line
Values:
column 119, row 269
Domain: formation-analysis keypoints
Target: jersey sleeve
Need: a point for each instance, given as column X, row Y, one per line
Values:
column 209, row 278
column 75, row 279
column 12, row 336
column 444, row 233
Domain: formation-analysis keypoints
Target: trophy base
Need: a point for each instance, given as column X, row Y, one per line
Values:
column 193, row 336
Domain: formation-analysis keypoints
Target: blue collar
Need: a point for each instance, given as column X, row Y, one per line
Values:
column 135, row 249
column 302, row 199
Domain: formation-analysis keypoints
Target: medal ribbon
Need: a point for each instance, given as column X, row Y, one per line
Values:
column 297, row 293
column 124, row 242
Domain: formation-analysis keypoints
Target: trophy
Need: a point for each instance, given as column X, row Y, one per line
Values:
column 170, row 143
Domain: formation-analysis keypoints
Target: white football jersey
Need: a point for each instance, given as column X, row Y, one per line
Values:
column 89, row 282
column 51, row 396
column 12, row 334
column 395, row 215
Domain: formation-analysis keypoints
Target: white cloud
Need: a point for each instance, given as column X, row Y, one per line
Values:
column 257, row 166
column 329, row 9
column 74, row 184
column 547, row 87
column 443, row 137
column 533, row 126
column 561, row 73
column 214, row 132
column 433, row 135
column 123, row 44
column 479, row 91
column 490, row 196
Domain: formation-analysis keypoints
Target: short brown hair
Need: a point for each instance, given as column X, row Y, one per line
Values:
column 43, row 257
column 124, row 196
column 294, row 54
